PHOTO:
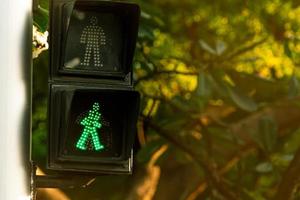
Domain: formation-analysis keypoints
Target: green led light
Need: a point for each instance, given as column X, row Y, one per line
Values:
column 89, row 134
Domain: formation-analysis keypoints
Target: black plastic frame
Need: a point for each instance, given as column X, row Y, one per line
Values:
column 59, row 27
column 58, row 126
column 65, row 81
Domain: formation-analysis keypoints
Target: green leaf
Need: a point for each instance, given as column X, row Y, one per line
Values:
column 267, row 133
column 242, row 101
column 281, row 160
column 294, row 87
column 40, row 19
column 145, row 32
column 39, row 141
column 206, row 47
column 158, row 21
column 292, row 143
column 204, row 88
column 254, row 195
column 220, row 47
column 287, row 50
column 267, row 180
column 44, row 4
column 264, row 167
column 251, row 82
column 145, row 15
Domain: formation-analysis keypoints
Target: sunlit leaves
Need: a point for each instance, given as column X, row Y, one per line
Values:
column 151, row 107
column 241, row 67
column 267, row 61
column 168, row 78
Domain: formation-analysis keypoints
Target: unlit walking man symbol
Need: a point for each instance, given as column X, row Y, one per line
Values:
column 94, row 37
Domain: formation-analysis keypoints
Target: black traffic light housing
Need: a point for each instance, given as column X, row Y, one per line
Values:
column 93, row 108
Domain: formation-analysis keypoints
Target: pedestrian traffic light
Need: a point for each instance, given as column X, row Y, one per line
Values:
column 93, row 108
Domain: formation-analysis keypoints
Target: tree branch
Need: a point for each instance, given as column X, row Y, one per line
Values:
column 159, row 72
column 243, row 152
column 202, row 162
column 284, row 112
column 289, row 180
column 244, row 50
column 168, row 72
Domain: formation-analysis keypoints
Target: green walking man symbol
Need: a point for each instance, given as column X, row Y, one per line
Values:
column 89, row 134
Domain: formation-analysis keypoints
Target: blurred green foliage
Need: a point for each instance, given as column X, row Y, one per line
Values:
column 220, row 86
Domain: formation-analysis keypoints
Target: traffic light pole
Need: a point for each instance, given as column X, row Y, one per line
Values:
column 15, row 100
